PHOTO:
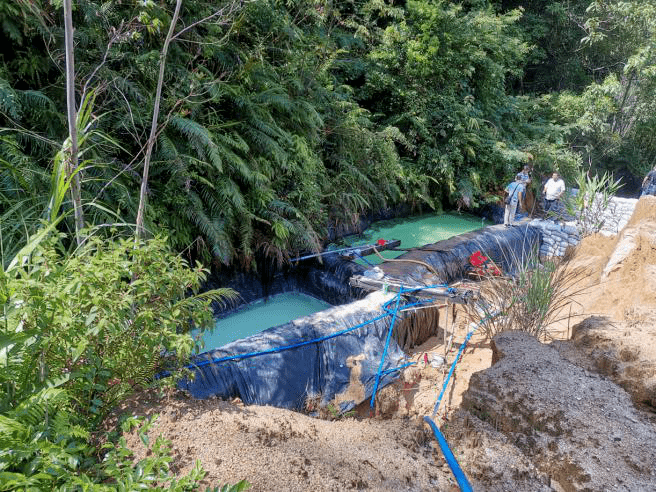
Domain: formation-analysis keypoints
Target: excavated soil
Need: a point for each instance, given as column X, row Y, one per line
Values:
column 575, row 414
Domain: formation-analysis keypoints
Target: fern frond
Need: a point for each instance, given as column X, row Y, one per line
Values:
column 9, row 100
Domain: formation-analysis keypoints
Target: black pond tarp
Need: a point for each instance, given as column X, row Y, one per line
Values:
column 288, row 378
column 508, row 247
column 326, row 278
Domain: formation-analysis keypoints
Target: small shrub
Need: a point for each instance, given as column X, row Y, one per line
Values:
column 592, row 204
column 105, row 316
column 530, row 300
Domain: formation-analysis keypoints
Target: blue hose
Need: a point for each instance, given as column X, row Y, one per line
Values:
column 463, row 483
column 455, row 362
column 387, row 341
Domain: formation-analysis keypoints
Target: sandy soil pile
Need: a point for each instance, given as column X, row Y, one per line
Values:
column 276, row 449
column 613, row 333
column 623, row 267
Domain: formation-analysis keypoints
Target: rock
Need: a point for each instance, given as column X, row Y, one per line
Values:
column 556, row 486
column 556, row 413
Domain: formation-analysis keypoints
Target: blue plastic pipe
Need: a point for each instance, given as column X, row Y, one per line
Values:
column 455, row 361
column 463, row 483
column 387, row 342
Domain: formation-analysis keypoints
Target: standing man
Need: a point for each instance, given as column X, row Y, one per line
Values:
column 553, row 190
column 525, row 174
column 515, row 192
column 528, row 201
column 649, row 183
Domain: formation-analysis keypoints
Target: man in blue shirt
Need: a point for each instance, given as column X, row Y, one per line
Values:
column 515, row 191
column 525, row 174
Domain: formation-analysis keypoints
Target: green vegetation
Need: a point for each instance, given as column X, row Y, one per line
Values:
column 252, row 128
column 592, row 201
column 277, row 120
column 536, row 295
column 78, row 333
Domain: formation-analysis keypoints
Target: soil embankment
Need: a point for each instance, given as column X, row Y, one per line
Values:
column 576, row 414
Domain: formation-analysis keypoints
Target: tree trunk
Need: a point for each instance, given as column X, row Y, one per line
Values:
column 153, row 126
column 72, row 161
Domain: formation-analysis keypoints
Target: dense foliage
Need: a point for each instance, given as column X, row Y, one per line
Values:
column 77, row 334
column 280, row 119
column 594, row 62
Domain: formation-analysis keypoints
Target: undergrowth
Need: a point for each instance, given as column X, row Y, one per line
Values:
column 78, row 333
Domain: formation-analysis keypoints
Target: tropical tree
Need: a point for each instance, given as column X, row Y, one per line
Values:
column 439, row 75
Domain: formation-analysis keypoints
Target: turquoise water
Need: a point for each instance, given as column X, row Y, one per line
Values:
column 260, row 315
column 415, row 232
column 282, row 308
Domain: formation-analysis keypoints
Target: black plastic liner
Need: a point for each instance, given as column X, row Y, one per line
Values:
column 508, row 247
column 326, row 279
column 323, row 370
column 289, row 378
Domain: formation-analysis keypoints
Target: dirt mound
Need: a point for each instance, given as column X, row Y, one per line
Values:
column 622, row 268
column 578, row 428
column 645, row 211
column 596, row 246
column 276, row 449
column 625, row 352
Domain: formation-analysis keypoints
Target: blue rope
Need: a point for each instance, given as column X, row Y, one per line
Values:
column 286, row 347
column 363, row 258
column 463, row 483
column 387, row 341
column 316, row 340
column 453, row 366
column 380, row 372
column 407, row 291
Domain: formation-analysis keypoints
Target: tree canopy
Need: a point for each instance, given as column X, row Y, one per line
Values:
column 281, row 119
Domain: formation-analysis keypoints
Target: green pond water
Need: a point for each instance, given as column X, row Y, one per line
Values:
column 260, row 315
column 282, row 308
column 415, row 232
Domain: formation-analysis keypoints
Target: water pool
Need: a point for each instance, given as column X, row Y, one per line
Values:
column 415, row 232
column 260, row 315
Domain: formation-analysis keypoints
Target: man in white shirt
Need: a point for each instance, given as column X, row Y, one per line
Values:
column 553, row 190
